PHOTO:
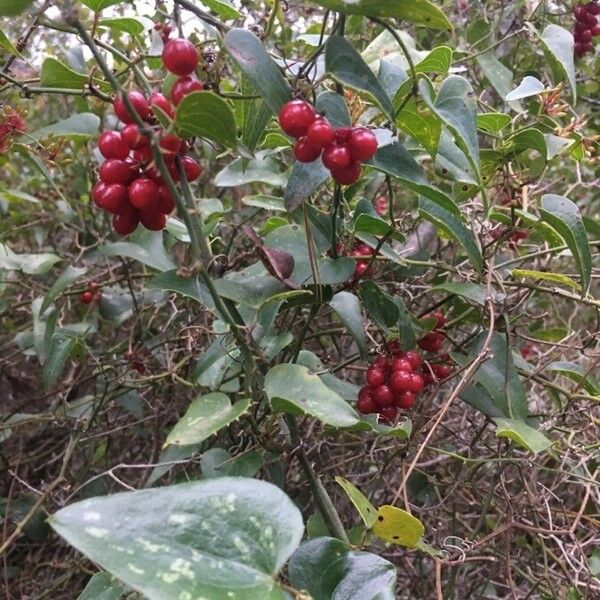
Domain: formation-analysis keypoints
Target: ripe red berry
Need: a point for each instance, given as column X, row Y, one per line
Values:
column 584, row 36
column 132, row 136
column 595, row 30
column 375, row 376
column 143, row 154
column 113, row 145
column 143, row 194
column 404, row 399
column 342, row 134
column 592, row 8
column 162, row 102
column 365, row 403
column 180, row 56
column 184, row 86
column 381, row 206
column 114, row 171
column 349, row 175
column 440, row 317
column 166, row 202
column 304, row 152
column 362, row 144
column 441, row 371
column 126, row 222
column 170, row 144
column 389, row 414
column 320, row 134
column 393, row 346
column 401, row 364
column 336, row 157
column 153, row 219
column 360, row 269
column 414, row 358
column 113, row 198
column 192, row 169
column 86, row 297
column 381, row 362
column 580, row 13
column 400, row 381
column 140, row 105
column 416, row 383
column 295, row 117
column 432, row 342
column 383, row 396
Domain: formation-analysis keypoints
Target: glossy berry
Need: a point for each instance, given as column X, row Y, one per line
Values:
column 320, row 134
column 375, row 376
column 180, row 56
column 342, row 134
column 389, row 414
column 336, row 157
column 143, row 194
column 362, row 144
column 393, row 346
column 143, row 154
column 113, row 198
column 365, row 403
column 404, row 399
column 126, row 222
column 153, row 219
column 113, row 145
column 305, row 152
column 349, row 175
column 414, row 358
column 383, row 396
column 184, row 86
column 295, row 117
column 86, row 297
column 432, row 342
column 400, row 381
column 170, row 144
column 192, row 169
column 416, row 383
column 441, row 371
column 135, row 140
column 360, row 269
column 162, row 102
column 140, row 105
column 401, row 364
column 165, row 203
column 114, row 171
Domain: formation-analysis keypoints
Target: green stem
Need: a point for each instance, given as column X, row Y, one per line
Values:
column 337, row 196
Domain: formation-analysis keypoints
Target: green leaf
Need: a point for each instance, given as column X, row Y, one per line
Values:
column 32, row 264
column 60, row 351
column 132, row 25
column 334, row 108
column 472, row 291
column 564, row 216
column 530, row 86
column 294, row 389
column 68, row 276
column 81, row 126
column 223, row 8
column 401, row 430
column 439, row 60
column 558, row 45
column 493, row 122
column 441, row 215
column 594, row 562
column 328, row 570
column 273, row 203
column 522, row 434
column 217, row 462
column 98, row 5
column 379, row 305
column 7, row 45
column 346, row 66
column 420, row 12
column 497, row 73
column 263, row 167
column 186, row 286
column 545, row 276
column 8, row 8
column 204, row 539
column 56, row 74
column 347, row 307
column 102, row 587
column 206, row 115
column 145, row 246
column 362, row 504
column 249, row 54
column 304, row 179
column 348, row 391
column 406, row 334
column 204, row 417
column 419, row 122
column 583, row 377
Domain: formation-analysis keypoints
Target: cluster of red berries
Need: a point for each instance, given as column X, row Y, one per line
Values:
column 362, row 266
column 432, row 341
column 381, row 205
column 342, row 150
column 11, row 124
column 586, row 27
column 92, row 294
column 131, row 188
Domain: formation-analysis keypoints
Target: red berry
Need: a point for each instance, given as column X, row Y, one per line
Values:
column 589, row 19
column 441, row 371
column 400, row 381
column 404, row 399
column 393, row 346
column 389, row 414
column 112, row 145
column 134, row 167
column 342, row 135
column 165, row 203
column 440, row 317
column 363, row 250
column 304, row 152
column 336, row 157
column 126, row 222
column 184, row 86
column 320, row 134
column 180, row 56
column 162, row 102
column 416, row 383
column 144, row 154
column 383, row 396
column 143, row 194
column 115, row 171
column 432, row 342
column 113, row 198
column 592, row 8
column 580, row 13
column 131, row 134
column 595, row 31
column 154, row 174
column 170, row 144
column 140, row 104
column 401, row 364
column 414, row 358
column 153, row 219
column 381, row 362
column 375, row 376
column 362, row 144
column 584, row 36
column 349, row 175
column 360, row 269
column 295, row 117
column 587, row 47
column 365, row 403
column 381, row 206
column 86, row 297
column 192, row 169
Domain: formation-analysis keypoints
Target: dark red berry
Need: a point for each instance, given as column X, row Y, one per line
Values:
column 360, row 269
column 431, row 342
column 414, row 358
column 113, row 198
column 349, row 175
column 115, row 171
column 131, row 134
column 404, row 399
column 375, row 376
column 320, row 134
column 295, row 117
column 441, row 371
column 401, row 364
column 140, row 105
column 126, row 222
column 192, row 169
column 170, row 144
column 143, row 194
column 389, row 414
column 113, row 145
column 86, row 297
column 362, row 144
column 440, row 318
column 580, row 13
column 162, row 102
column 393, row 346
column 336, row 157
column 585, row 36
column 381, row 362
column 165, row 203
column 184, row 86
column 400, row 381
column 592, row 8
column 153, row 219
column 383, row 396
column 365, row 403
column 342, row 134
column 180, row 56
column 304, row 152
column 416, row 383
column 595, row 31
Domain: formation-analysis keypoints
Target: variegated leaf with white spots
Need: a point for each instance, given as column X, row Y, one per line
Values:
column 225, row 538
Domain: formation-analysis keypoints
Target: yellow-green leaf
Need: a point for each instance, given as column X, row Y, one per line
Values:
column 396, row 526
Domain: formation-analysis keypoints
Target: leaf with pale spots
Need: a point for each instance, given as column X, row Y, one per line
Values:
column 225, row 538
